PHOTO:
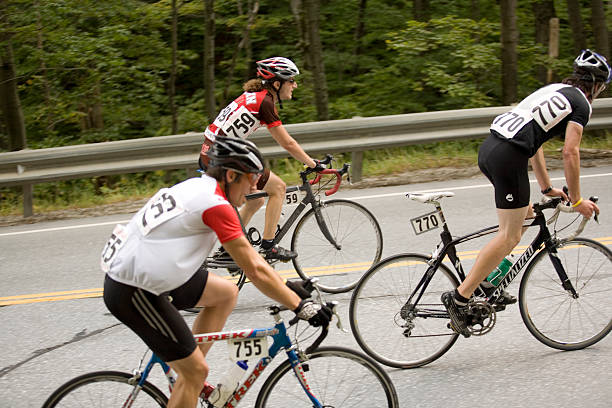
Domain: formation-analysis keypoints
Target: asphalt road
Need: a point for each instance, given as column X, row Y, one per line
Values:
column 56, row 325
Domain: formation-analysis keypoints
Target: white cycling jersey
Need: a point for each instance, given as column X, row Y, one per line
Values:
column 165, row 243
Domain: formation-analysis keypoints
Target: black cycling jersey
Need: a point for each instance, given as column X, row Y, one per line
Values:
column 541, row 116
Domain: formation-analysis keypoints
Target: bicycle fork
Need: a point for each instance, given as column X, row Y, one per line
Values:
column 323, row 226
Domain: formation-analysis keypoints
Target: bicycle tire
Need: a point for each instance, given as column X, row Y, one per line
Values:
column 376, row 303
column 327, row 371
column 354, row 228
column 551, row 314
column 99, row 392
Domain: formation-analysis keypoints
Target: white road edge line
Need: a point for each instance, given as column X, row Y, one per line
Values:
column 351, row 198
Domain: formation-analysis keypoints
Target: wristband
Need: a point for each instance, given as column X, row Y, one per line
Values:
column 577, row 203
column 546, row 190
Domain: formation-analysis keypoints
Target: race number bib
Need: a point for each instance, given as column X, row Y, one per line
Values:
column 550, row 110
column 115, row 242
column 508, row 124
column 160, row 208
column 241, row 123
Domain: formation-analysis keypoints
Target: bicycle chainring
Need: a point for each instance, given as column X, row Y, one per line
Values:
column 481, row 317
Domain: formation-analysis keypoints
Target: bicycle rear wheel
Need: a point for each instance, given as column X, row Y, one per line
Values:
column 358, row 235
column 336, row 376
column 104, row 389
column 551, row 314
column 396, row 334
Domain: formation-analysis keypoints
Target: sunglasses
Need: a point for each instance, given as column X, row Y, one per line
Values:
column 253, row 177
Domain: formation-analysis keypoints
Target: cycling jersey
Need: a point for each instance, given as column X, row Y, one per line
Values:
column 541, row 116
column 244, row 115
column 170, row 237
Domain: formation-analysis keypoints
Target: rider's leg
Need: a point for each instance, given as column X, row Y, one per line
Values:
column 249, row 209
column 192, row 371
column 509, row 235
column 275, row 187
column 218, row 301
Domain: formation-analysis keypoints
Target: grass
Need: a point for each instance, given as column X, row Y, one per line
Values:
column 84, row 193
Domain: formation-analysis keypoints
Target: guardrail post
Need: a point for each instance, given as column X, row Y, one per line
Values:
column 28, row 201
column 356, row 165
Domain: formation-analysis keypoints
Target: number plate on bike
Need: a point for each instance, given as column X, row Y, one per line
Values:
column 248, row 349
column 293, row 197
column 426, row 222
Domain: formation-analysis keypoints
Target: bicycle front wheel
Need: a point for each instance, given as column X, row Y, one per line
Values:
column 335, row 376
column 105, row 389
column 392, row 331
column 553, row 315
column 359, row 245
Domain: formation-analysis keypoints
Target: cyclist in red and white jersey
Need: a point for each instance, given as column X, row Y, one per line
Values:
column 516, row 138
column 152, row 265
column 256, row 107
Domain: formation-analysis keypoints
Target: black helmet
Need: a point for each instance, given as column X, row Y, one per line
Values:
column 236, row 154
column 592, row 66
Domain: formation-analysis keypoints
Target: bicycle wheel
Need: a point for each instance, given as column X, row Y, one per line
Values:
column 336, row 376
column 551, row 314
column 357, row 233
column 384, row 326
column 104, row 389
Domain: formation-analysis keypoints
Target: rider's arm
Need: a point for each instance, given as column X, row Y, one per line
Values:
column 263, row 276
column 538, row 163
column 284, row 139
column 571, row 159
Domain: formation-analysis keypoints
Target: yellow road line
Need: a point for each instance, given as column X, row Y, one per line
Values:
column 286, row 273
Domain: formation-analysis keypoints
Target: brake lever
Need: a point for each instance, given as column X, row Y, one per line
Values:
column 332, row 305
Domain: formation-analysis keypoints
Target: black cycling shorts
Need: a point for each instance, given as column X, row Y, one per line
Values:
column 156, row 319
column 505, row 165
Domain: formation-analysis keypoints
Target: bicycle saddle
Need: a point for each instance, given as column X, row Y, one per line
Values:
column 429, row 197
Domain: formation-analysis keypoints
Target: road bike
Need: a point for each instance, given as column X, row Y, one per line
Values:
column 336, row 240
column 313, row 377
column 564, row 297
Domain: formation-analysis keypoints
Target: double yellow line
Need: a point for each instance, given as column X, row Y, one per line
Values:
column 288, row 273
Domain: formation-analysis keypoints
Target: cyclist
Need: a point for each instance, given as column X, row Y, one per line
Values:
column 275, row 83
column 152, row 265
column 515, row 138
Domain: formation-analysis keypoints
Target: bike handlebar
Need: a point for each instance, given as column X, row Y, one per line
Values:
column 559, row 206
column 337, row 172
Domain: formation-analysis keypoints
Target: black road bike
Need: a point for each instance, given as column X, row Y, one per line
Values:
column 564, row 297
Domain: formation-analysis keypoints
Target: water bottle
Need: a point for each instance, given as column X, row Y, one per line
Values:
column 502, row 269
column 224, row 390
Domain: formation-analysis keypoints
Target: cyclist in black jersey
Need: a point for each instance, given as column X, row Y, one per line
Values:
column 515, row 140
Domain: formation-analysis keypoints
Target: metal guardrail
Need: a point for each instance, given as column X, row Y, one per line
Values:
column 29, row 167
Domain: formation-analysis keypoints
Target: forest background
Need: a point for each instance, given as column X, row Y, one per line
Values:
column 84, row 71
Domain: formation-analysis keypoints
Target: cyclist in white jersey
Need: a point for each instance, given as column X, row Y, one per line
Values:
column 152, row 265
column 516, row 138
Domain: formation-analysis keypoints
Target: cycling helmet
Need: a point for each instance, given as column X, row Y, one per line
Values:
column 236, row 154
column 589, row 62
column 277, row 67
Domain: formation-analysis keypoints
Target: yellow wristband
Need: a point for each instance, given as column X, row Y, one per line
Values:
column 577, row 203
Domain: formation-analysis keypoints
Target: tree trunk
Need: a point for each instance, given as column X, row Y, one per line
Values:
column 315, row 50
column 9, row 98
column 359, row 33
column 509, row 42
column 209, row 59
column 420, row 10
column 575, row 20
column 173, row 69
column 475, row 10
column 252, row 13
column 297, row 9
column 43, row 69
column 600, row 30
column 543, row 11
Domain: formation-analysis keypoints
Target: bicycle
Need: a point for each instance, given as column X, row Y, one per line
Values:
column 327, row 376
column 565, row 280
column 333, row 239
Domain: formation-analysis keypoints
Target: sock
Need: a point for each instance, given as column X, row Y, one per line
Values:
column 460, row 300
column 267, row 243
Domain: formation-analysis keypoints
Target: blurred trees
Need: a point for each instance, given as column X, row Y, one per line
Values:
column 87, row 71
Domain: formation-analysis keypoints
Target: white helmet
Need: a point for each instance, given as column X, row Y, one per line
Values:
column 277, row 67
column 594, row 64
